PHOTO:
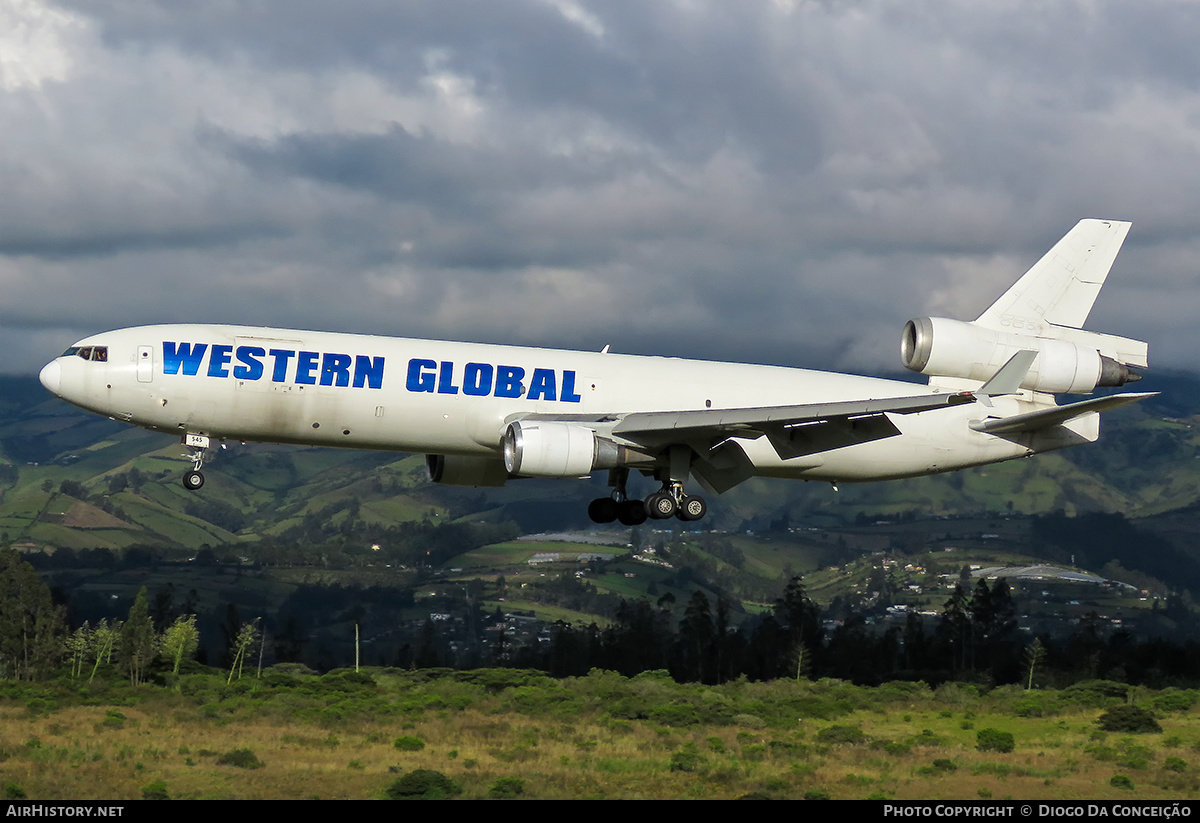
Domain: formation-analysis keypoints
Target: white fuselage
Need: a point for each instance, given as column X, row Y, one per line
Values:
column 361, row 391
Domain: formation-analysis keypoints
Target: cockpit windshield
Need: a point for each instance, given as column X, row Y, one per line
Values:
column 98, row 354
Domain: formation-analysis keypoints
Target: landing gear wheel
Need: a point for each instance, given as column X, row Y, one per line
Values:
column 661, row 505
column 603, row 510
column 631, row 512
column 692, row 507
column 193, row 480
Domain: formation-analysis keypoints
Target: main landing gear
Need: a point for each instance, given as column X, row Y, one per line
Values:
column 668, row 502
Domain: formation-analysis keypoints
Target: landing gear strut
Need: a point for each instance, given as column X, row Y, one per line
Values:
column 197, row 446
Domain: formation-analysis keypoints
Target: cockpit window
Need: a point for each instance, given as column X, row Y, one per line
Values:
column 98, row 354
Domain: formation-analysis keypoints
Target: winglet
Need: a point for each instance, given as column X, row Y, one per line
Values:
column 1008, row 379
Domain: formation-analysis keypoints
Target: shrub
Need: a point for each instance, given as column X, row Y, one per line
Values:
column 155, row 791
column 1096, row 693
column 925, row 738
column 423, row 784
column 113, row 719
column 1175, row 700
column 507, row 787
column 409, row 743
column 1128, row 720
column 13, row 791
column 40, row 706
column 687, row 759
column 816, row 794
column 1175, row 764
column 242, row 758
column 994, row 740
column 842, row 735
column 674, row 715
column 1121, row 781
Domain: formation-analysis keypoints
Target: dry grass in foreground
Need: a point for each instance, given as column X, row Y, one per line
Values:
column 519, row 733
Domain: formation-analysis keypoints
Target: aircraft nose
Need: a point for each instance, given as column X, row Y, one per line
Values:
column 51, row 376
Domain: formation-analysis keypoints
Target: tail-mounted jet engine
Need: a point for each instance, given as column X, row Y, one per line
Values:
column 1071, row 360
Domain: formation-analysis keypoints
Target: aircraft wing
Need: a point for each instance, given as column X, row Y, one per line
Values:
column 794, row 431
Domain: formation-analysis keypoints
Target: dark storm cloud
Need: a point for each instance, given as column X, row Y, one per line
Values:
column 775, row 181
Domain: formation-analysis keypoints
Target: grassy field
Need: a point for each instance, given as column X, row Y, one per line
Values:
column 600, row 736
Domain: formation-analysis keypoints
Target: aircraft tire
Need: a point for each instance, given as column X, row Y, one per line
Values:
column 602, row 510
column 631, row 512
column 193, row 480
column 661, row 505
column 693, row 508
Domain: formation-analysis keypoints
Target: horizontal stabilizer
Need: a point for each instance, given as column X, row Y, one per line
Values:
column 1055, row 415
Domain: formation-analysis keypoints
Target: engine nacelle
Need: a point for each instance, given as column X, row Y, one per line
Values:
column 548, row 448
column 954, row 348
column 459, row 470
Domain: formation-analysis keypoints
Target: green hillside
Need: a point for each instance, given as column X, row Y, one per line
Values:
column 68, row 478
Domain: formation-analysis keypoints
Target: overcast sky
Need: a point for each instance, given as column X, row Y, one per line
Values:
column 783, row 182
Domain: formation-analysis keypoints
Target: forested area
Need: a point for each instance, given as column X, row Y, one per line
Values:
column 976, row 638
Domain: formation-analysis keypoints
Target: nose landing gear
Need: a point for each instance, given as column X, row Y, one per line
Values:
column 197, row 446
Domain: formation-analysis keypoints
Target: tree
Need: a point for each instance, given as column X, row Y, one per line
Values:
column 954, row 629
column 76, row 646
column 181, row 639
column 102, row 642
column 696, row 635
column 800, row 615
column 31, row 626
column 139, row 641
column 1035, row 652
column 246, row 636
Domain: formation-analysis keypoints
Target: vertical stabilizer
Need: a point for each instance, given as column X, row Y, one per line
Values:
column 1061, row 287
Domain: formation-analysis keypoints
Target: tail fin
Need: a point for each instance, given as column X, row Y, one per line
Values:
column 1054, row 297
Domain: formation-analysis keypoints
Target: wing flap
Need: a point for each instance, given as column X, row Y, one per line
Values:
column 654, row 429
column 814, row 436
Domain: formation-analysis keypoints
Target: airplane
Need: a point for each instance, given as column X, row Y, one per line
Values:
column 484, row 414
